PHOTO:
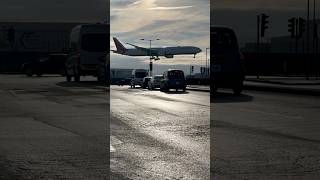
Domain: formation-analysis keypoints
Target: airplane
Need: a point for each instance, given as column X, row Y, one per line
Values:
column 154, row 53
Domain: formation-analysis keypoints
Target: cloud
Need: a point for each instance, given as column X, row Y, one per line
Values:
column 170, row 8
column 176, row 23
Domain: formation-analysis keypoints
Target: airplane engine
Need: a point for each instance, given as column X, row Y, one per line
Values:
column 168, row 56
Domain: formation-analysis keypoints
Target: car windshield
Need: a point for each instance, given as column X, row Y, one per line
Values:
column 223, row 40
column 158, row 77
column 95, row 42
column 176, row 74
column 141, row 74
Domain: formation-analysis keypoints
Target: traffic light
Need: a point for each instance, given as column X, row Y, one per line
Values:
column 11, row 35
column 192, row 68
column 201, row 70
column 302, row 26
column 292, row 27
column 264, row 24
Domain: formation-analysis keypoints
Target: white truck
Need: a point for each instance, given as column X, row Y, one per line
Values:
column 89, row 44
column 137, row 77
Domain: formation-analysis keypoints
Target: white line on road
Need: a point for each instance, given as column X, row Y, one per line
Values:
column 112, row 149
column 114, row 141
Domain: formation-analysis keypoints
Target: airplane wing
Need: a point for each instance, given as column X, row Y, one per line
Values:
column 146, row 50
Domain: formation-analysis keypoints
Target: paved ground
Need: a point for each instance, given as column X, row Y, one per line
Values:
column 157, row 135
column 265, row 135
column 50, row 129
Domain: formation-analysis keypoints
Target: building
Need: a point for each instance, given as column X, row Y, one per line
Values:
column 26, row 41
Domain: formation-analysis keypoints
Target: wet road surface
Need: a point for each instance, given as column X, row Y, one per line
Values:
column 50, row 129
column 264, row 135
column 157, row 135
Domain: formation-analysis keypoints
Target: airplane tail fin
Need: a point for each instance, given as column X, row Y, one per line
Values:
column 120, row 47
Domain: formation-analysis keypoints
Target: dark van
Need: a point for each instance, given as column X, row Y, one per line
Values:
column 227, row 66
column 173, row 79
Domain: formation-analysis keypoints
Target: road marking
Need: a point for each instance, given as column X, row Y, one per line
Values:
column 112, row 149
column 114, row 141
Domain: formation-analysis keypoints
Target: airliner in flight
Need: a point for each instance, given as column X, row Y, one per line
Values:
column 154, row 53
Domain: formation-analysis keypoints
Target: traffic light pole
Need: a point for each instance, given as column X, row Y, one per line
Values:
column 258, row 42
column 296, row 36
column 308, row 41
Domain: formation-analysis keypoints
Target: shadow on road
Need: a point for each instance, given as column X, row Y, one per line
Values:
column 176, row 92
column 80, row 84
column 224, row 97
column 43, row 76
column 167, row 92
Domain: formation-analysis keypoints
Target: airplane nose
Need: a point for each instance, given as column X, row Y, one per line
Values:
column 199, row 50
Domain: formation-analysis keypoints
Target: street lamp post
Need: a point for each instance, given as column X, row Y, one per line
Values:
column 150, row 54
column 207, row 62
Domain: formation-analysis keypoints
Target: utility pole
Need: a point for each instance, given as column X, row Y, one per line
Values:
column 308, row 40
column 314, row 27
column 258, row 41
column 262, row 26
column 207, row 62
column 150, row 55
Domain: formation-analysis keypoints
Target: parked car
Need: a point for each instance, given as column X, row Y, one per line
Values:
column 227, row 62
column 146, row 81
column 137, row 77
column 155, row 82
column 53, row 64
column 173, row 79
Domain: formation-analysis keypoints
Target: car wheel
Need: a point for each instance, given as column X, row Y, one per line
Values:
column 238, row 88
column 237, row 91
column 63, row 72
column 29, row 72
column 77, row 78
column 68, row 78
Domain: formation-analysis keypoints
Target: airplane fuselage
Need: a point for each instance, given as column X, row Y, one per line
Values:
column 167, row 51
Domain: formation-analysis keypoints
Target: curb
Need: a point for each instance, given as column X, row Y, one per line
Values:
column 291, row 90
column 280, row 83
column 197, row 89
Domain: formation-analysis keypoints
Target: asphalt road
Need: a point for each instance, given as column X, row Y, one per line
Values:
column 51, row 129
column 264, row 135
column 157, row 135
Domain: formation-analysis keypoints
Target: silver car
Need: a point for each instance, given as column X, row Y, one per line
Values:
column 155, row 82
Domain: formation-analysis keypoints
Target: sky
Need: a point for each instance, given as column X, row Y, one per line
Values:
column 175, row 23
column 241, row 15
column 54, row 10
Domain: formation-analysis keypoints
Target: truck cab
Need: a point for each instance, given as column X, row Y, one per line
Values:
column 89, row 43
column 227, row 63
